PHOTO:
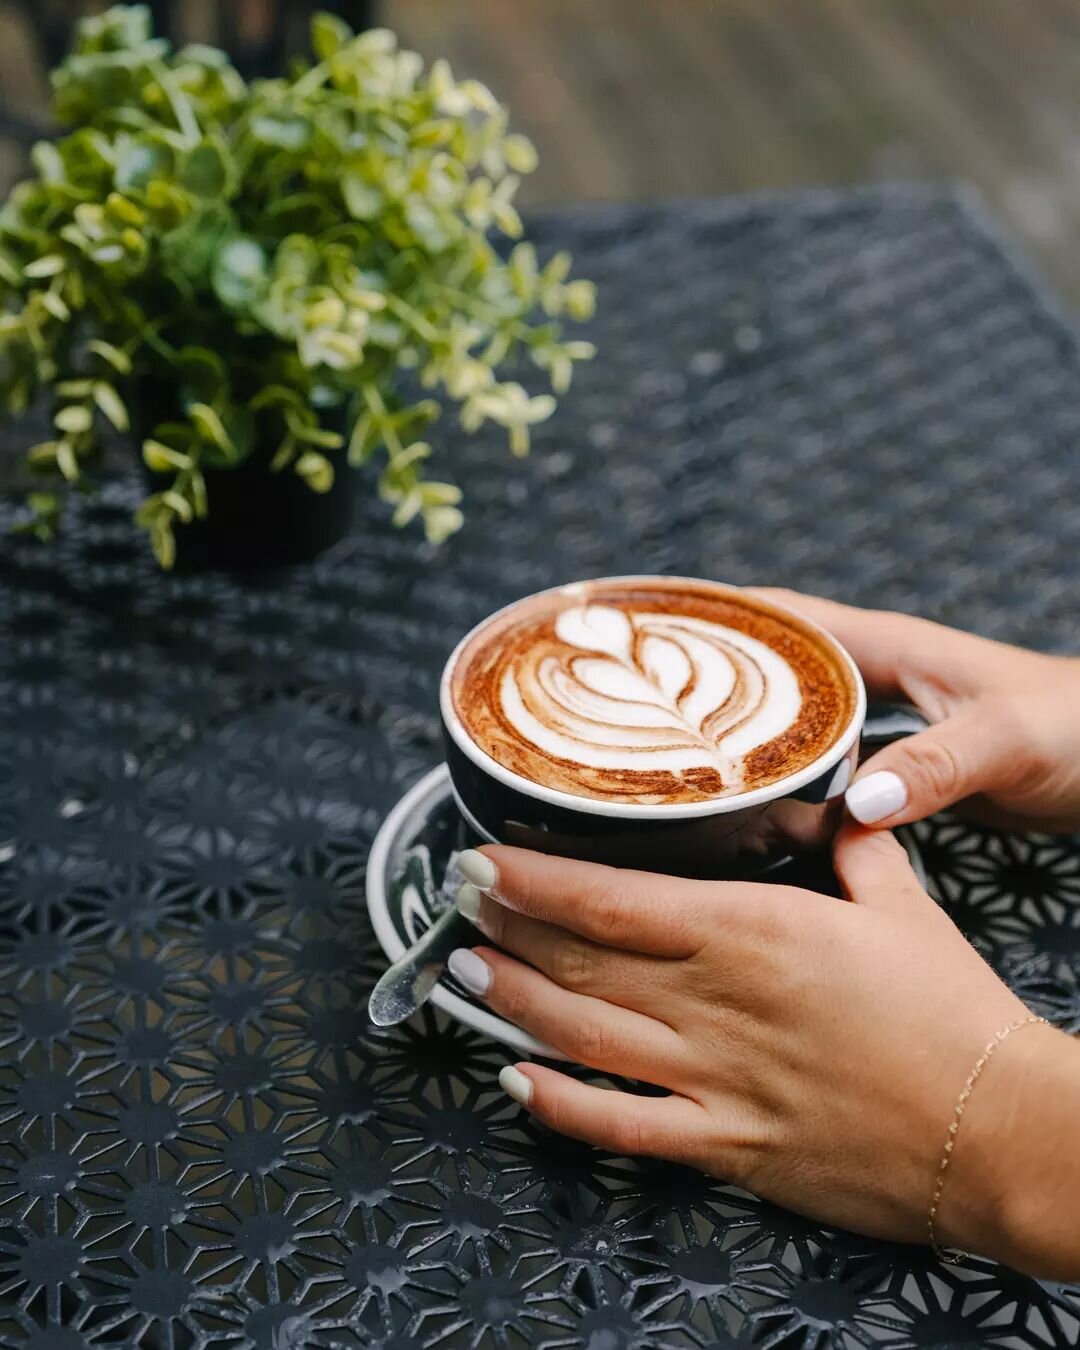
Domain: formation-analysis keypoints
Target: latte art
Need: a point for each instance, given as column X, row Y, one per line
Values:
column 633, row 692
column 651, row 693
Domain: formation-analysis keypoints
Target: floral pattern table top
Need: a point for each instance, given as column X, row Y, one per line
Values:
column 202, row 1142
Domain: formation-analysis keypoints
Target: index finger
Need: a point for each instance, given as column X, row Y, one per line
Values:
column 637, row 911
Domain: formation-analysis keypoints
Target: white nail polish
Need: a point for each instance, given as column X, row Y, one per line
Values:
column 514, row 1083
column 478, row 868
column 470, row 970
column 468, row 901
column 876, row 797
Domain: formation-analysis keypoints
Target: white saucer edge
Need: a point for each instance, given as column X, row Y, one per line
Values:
column 389, row 940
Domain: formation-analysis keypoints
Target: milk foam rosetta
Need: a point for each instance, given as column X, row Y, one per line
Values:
column 650, row 692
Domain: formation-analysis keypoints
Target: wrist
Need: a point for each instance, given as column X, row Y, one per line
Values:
column 1043, row 1198
column 1014, row 1183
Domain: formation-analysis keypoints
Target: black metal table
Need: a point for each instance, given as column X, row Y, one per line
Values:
column 202, row 1143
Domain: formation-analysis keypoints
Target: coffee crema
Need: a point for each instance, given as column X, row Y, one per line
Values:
column 654, row 691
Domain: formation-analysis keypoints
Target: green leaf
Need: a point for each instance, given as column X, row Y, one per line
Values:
column 140, row 159
column 581, row 299
column 507, row 219
column 74, row 419
column 408, row 508
column 179, row 505
column 113, row 356
column 55, row 305
column 210, row 426
column 239, row 273
column 440, row 522
column 363, row 199
column 284, row 455
column 122, row 211
column 202, row 375
column 203, row 55
column 161, row 458
column 50, row 265
column 282, row 131
column 363, row 439
column 164, row 543
column 43, row 453
column 411, row 455
column 149, row 510
column 43, row 503
column 169, row 204
column 328, row 35
column 276, row 396
column 207, row 170
column 10, row 271
column 110, row 403
column 440, row 494
column 66, row 461
column 540, row 408
column 316, row 471
column 198, row 495
column 48, row 162
column 520, row 154
column 315, row 435
column 523, row 270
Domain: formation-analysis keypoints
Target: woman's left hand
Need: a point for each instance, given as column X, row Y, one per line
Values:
column 814, row 1049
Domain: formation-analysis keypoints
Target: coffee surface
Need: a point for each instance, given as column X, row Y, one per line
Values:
column 654, row 692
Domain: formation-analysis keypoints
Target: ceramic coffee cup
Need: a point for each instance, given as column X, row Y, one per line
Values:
column 730, row 837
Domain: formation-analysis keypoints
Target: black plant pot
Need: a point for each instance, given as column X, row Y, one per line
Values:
column 255, row 518
column 259, row 519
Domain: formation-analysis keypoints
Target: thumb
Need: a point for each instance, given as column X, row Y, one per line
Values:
column 874, row 869
column 925, row 773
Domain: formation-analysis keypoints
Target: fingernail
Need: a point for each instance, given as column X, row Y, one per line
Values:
column 876, row 797
column 478, row 868
column 468, row 901
column 470, row 970
column 514, row 1083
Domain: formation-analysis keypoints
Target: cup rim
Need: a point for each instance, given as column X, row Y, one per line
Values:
column 715, row 806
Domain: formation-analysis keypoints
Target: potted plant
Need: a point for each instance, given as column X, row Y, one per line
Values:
column 262, row 282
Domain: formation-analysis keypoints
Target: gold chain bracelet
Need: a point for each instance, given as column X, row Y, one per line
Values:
column 950, row 1142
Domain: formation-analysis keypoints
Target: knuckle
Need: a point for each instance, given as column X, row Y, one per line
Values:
column 556, row 1114
column 608, row 909
column 770, row 917
column 573, row 964
column 938, row 769
column 524, row 893
column 592, row 1042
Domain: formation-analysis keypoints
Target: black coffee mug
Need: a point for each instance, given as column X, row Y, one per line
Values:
column 726, row 838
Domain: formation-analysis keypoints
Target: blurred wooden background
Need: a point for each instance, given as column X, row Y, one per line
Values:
column 657, row 98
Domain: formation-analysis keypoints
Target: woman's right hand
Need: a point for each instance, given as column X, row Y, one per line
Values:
column 1005, row 723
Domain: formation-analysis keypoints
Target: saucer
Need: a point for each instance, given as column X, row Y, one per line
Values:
column 412, row 878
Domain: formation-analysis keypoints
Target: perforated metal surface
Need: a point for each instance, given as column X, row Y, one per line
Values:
column 201, row 1141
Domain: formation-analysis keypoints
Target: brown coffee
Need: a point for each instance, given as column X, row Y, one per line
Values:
column 654, row 691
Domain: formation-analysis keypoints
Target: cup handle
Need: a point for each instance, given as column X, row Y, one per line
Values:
column 888, row 722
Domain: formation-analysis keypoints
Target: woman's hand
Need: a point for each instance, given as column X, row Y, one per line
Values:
column 814, row 1049
column 1006, row 722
